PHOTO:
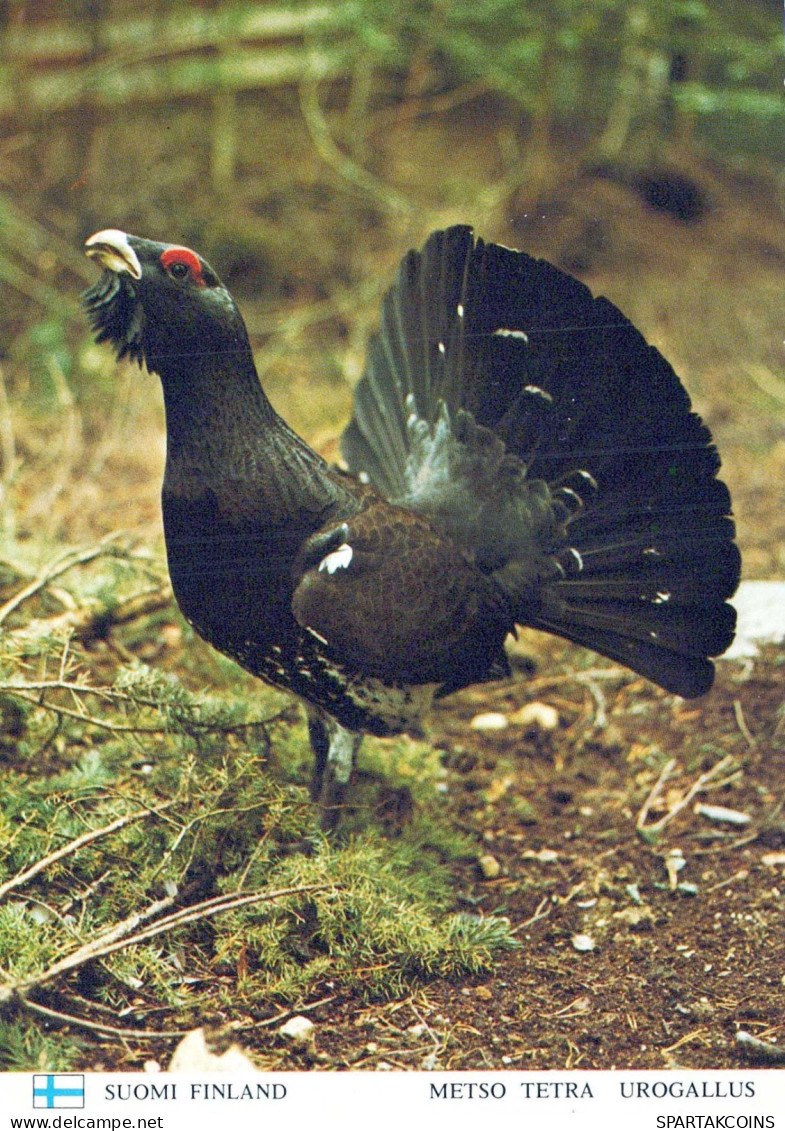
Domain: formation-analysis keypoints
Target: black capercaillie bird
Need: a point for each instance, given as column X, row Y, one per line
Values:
column 517, row 455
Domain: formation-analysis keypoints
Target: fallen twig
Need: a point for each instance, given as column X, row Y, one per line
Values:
column 268, row 1022
column 542, row 911
column 741, row 722
column 52, row 570
column 600, row 710
column 87, row 620
column 706, row 781
column 126, row 933
column 74, row 846
column 100, row 1027
column 654, row 793
column 756, row 1049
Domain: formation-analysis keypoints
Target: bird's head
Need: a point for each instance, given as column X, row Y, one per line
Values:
column 160, row 303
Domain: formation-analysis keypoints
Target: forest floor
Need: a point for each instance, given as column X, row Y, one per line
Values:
column 650, row 924
column 637, row 951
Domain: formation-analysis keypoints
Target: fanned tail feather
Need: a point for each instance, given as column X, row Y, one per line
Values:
column 605, row 521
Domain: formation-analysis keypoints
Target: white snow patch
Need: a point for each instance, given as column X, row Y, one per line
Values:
column 760, row 606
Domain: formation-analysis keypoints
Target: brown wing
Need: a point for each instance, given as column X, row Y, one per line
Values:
column 397, row 599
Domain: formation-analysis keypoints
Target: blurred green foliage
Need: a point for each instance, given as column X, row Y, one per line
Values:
column 575, row 53
column 264, row 127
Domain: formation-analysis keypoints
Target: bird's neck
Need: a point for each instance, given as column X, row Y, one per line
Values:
column 225, row 440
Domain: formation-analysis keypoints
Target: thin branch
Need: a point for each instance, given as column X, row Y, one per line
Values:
column 100, row 1027
column 163, row 1034
column 34, row 691
column 656, row 789
column 125, row 934
column 270, row 1021
column 90, row 720
column 705, row 782
column 50, row 571
column 74, row 846
column 741, row 723
column 84, row 621
column 348, row 169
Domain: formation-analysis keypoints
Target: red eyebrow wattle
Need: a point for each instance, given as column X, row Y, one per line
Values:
column 186, row 256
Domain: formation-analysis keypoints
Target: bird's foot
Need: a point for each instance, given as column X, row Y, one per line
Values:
column 335, row 750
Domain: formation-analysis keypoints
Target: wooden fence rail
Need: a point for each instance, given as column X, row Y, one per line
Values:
column 183, row 52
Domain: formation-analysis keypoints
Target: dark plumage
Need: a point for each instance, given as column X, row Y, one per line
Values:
column 518, row 454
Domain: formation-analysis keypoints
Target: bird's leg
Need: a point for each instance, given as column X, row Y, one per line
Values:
column 335, row 750
column 320, row 744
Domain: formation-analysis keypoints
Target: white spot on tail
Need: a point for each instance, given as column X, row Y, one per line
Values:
column 442, row 349
column 461, row 311
column 536, row 391
column 338, row 559
column 503, row 332
column 589, row 479
column 568, row 491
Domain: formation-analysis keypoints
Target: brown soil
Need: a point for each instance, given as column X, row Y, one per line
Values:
column 678, row 962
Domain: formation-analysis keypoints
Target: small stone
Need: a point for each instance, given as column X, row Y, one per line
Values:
column 489, row 720
column 722, row 813
column 194, row 1055
column 489, row 866
column 539, row 715
column 583, row 943
column 544, row 855
column 299, row 1031
column 632, row 917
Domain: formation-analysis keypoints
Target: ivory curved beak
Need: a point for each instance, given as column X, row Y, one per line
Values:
column 112, row 250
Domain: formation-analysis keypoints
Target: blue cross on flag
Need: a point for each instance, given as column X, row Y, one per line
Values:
column 59, row 1090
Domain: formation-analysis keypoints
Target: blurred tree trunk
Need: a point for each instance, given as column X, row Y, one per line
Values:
column 223, row 118
column 86, row 121
column 223, row 143
column 630, row 85
column 540, row 163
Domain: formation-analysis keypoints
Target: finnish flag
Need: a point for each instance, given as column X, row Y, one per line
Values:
column 58, row 1090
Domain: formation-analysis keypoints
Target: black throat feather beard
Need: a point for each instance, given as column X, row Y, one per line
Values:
column 116, row 314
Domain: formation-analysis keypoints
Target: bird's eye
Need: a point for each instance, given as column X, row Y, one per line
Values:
column 181, row 263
